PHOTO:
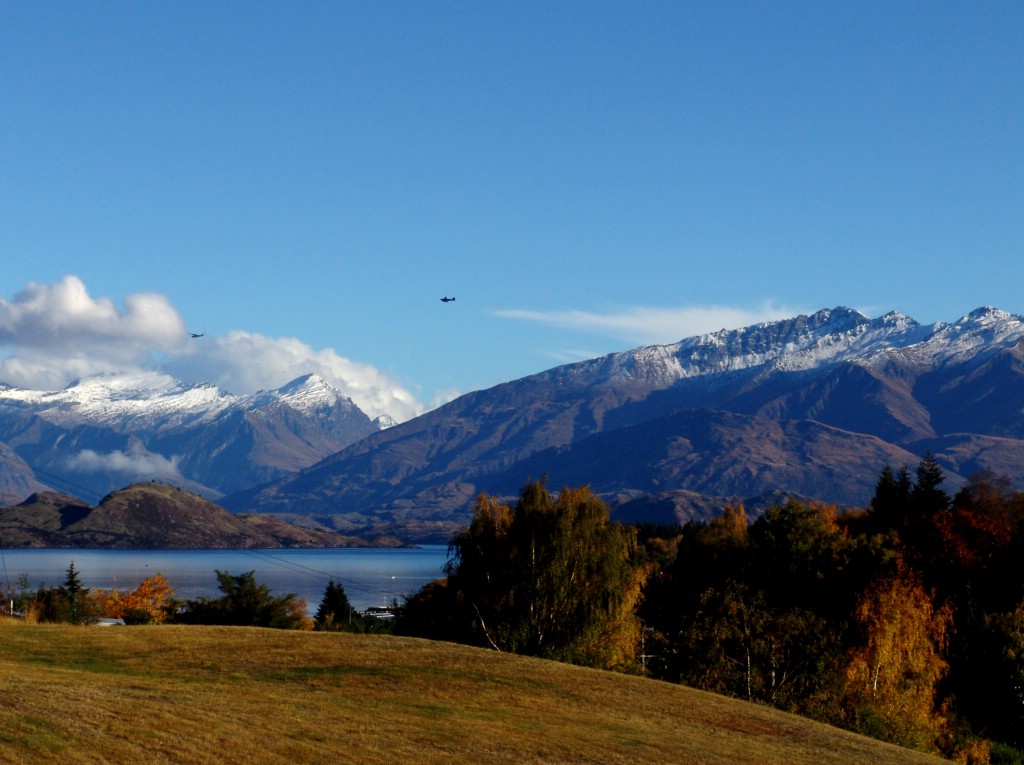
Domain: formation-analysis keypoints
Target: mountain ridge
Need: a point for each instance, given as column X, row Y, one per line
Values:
column 890, row 385
column 811, row 406
column 154, row 515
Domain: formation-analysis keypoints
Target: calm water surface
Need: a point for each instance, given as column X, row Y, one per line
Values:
column 372, row 577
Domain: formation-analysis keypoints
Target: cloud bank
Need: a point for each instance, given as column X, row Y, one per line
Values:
column 51, row 335
column 646, row 325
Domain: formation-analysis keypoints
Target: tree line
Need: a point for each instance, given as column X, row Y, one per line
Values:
column 903, row 621
column 244, row 602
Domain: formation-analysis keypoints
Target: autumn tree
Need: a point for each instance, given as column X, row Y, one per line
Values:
column 149, row 603
column 548, row 577
column 893, row 670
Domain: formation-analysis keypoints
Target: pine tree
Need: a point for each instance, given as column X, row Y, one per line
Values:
column 335, row 612
column 890, row 505
column 75, row 595
column 927, row 499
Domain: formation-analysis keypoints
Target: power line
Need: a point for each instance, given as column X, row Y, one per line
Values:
column 80, row 492
column 349, row 585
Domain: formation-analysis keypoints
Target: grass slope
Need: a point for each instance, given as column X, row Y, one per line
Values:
column 234, row 695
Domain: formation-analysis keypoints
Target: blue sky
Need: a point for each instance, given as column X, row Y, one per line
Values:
column 304, row 181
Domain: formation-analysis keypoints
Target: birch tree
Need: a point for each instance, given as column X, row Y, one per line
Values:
column 549, row 577
column 891, row 676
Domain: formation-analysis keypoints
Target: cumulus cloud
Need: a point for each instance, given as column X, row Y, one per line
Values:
column 51, row 335
column 54, row 333
column 641, row 324
column 133, row 466
column 64, row 315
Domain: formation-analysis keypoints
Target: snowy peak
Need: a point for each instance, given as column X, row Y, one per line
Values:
column 802, row 343
column 985, row 316
column 842, row 334
column 981, row 331
column 106, row 431
column 132, row 402
column 307, row 394
column 110, row 399
column 310, row 391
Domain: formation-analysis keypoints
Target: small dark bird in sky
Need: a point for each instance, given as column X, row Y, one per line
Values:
column 447, row 299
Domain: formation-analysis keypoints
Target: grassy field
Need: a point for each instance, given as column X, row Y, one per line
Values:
column 227, row 695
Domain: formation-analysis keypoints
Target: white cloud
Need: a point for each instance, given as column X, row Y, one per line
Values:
column 133, row 465
column 642, row 324
column 51, row 335
column 64, row 316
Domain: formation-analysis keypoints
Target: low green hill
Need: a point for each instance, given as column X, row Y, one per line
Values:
column 233, row 695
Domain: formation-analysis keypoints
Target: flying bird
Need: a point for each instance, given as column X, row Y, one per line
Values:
column 447, row 299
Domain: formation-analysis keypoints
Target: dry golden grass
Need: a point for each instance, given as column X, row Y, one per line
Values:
column 227, row 695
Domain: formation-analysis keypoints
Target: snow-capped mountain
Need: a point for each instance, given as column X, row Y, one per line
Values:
column 125, row 403
column 101, row 433
column 815, row 405
column 827, row 337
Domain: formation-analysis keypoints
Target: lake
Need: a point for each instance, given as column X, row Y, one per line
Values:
column 371, row 576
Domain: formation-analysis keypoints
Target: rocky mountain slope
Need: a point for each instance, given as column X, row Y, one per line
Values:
column 812, row 406
column 16, row 477
column 103, row 433
column 153, row 515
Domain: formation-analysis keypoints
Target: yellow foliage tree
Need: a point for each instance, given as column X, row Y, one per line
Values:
column 730, row 527
column 891, row 677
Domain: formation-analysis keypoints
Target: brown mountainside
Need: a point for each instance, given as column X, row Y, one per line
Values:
column 153, row 515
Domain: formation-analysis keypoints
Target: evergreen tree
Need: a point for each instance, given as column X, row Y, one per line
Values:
column 69, row 603
column 75, row 595
column 890, row 505
column 927, row 499
column 335, row 612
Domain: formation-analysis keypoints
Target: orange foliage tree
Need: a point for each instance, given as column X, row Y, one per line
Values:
column 151, row 601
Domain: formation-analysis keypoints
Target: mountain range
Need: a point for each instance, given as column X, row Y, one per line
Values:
column 102, row 433
column 812, row 406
